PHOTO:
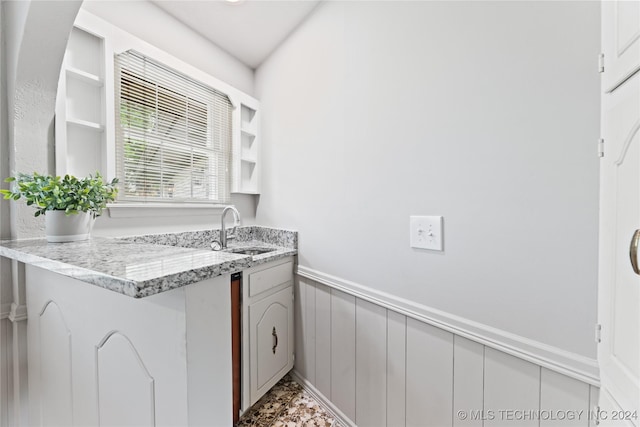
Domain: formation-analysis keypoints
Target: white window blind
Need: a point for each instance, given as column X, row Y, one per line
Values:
column 173, row 134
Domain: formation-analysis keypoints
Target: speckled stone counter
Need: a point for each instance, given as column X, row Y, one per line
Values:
column 141, row 266
column 202, row 239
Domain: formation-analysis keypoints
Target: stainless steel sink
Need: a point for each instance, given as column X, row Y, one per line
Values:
column 250, row 251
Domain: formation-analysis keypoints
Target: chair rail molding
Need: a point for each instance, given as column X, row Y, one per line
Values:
column 17, row 312
column 573, row 365
column 5, row 310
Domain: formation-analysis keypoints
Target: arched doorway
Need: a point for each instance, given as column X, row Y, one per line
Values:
column 36, row 34
column 34, row 37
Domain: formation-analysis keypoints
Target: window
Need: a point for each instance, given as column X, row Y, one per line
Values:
column 173, row 134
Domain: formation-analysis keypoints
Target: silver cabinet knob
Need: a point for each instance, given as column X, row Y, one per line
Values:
column 633, row 251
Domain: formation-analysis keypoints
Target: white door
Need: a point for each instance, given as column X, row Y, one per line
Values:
column 619, row 284
column 620, row 41
column 271, row 340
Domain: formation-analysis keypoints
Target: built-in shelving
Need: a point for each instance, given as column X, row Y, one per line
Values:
column 80, row 115
column 85, row 124
column 246, row 153
column 248, row 118
column 84, row 76
column 85, row 119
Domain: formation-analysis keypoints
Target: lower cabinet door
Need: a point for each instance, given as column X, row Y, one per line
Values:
column 271, row 341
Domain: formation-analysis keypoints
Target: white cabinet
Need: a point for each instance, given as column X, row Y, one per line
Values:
column 271, row 337
column 268, row 329
column 100, row 358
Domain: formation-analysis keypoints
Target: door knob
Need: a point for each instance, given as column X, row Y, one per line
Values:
column 633, row 251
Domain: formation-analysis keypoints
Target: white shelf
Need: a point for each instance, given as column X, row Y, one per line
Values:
column 248, row 115
column 84, row 76
column 84, row 52
column 247, row 149
column 85, row 124
column 81, row 122
column 251, row 133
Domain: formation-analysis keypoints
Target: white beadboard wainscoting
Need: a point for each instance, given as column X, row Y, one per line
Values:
column 376, row 360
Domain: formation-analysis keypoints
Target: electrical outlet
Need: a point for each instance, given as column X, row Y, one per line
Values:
column 426, row 232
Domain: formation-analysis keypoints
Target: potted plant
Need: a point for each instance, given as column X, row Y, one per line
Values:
column 70, row 205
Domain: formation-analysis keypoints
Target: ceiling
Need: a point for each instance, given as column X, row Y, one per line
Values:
column 248, row 29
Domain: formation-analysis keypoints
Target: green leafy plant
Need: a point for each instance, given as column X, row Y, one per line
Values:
column 69, row 194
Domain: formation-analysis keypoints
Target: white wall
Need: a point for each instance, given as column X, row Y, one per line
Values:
column 5, row 232
column 145, row 20
column 34, row 35
column 153, row 25
column 486, row 113
column 106, row 226
column 5, row 229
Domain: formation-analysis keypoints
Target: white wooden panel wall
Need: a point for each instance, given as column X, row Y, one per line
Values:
column 343, row 352
column 510, row 384
column 468, row 379
column 396, row 368
column 380, row 368
column 594, row 394
column 323, row 339
column 299, row 311
column 559, row 391
column 371, row 363
column 429, row 399
column 310, row 337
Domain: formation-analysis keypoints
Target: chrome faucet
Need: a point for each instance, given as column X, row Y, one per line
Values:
column 223, row 230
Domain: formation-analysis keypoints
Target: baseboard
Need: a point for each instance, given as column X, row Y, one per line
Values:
column 326, row 404
column 574, row 365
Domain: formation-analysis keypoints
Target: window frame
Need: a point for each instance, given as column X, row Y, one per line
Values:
column 117, row 40
column 167, row 95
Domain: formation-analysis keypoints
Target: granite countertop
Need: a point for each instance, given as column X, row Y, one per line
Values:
column 141, row 266
column 277, row 252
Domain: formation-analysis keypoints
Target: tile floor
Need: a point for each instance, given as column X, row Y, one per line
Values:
column 287, row 405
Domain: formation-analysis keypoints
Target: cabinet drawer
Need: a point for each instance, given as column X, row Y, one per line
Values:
column 264, row 280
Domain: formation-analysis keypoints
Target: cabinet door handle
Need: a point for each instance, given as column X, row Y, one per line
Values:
column 633, row 251
column 275, row 340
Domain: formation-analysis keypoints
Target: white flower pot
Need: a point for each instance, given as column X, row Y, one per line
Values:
column 60, row 227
